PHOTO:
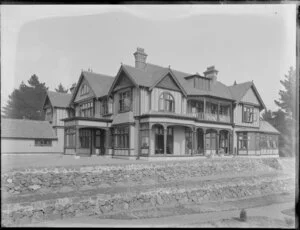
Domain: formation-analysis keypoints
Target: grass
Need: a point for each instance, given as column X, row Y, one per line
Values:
column 16, row 161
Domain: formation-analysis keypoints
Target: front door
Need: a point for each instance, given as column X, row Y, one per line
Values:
column 99, row 142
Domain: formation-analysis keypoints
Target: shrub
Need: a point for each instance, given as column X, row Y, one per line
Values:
column 243, row 215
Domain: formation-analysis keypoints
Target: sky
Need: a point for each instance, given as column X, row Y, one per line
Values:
column 56, row 42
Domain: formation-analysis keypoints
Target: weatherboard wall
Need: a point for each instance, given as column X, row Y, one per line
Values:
column 155, row 94
column 9, row 145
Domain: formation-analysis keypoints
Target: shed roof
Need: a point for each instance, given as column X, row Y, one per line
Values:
column 27, row 129
column 267, row 127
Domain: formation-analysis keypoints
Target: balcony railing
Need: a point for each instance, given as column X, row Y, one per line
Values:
column 210, row 117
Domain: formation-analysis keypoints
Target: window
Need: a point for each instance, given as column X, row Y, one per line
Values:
column 248, row 114
column 121, row 137
column 48, row 116
column 70, row 138
column 166, row 102
column 125, row 101
column 224, row 109
column 104, row 109
column 84, row 138
column 42, row 142
column 274, row 142
column 196, row 106
column 87, row 109
column 243, row 141
column 84, row 89
column 144, row 132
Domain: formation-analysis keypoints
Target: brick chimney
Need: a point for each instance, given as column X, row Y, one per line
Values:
column 211, row 73
column 140, row 58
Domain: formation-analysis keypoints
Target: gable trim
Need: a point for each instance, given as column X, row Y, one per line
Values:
column 117, row 78
column 252, row 86
column 169, row 71
column 78, row 85
column 47, row 96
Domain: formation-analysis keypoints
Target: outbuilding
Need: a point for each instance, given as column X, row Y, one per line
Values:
column 27, row 136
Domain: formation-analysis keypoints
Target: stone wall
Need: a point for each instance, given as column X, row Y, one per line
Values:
column 30, row 181
column 39, row 194
column 102, row 204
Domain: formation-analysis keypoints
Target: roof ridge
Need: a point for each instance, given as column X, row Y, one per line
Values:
column 21, row 119
column 238, row 84
column 51, row 91
column 101, row 74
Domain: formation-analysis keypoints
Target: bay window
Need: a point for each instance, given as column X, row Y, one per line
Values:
column 121, row 137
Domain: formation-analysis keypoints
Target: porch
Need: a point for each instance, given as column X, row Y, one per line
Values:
column 87, row 137
column 167, row 139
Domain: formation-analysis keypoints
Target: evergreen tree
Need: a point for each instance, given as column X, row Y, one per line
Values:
column 61, row 89
column 285, row 118
column 27, row 101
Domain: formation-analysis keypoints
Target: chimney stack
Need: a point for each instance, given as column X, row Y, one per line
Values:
column 140, row 58
column 211, row 73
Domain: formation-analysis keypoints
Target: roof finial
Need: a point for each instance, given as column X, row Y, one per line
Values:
column 169, row 66
column 234, row 82
column 121, row 63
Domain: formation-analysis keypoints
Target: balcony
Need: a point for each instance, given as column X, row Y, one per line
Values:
column 210, row 117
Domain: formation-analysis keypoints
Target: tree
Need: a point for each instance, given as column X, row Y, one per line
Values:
column 27, row 101
column 61, row 89
column 285, row 118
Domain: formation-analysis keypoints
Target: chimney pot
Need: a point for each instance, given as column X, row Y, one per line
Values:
column 211, row 73
column 140, row 58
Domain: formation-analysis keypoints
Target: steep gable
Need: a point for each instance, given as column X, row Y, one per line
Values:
column 250, row 97
column 122, row 82
column 168, row 83
column 89, row 94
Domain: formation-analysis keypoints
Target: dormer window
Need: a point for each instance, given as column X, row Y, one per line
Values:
column 166, row 102
column 84, row 89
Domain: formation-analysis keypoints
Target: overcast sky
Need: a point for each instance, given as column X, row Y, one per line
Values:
column 244, row 42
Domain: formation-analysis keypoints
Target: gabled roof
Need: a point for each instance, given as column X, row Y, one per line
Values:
column 267, row 127
column 29, row 129
column 152, row 73
column 61, row 100
column 99, row 83
column 239, row 90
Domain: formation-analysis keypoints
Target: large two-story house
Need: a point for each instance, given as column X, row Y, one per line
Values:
column 148, row 110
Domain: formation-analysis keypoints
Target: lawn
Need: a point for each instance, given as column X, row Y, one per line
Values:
column 27, row 161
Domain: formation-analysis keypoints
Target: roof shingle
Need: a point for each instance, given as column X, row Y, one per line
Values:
column 59, row 99
column 21, row 128
column 99, row 83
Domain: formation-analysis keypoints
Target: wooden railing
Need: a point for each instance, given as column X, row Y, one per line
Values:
column 210, row 117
